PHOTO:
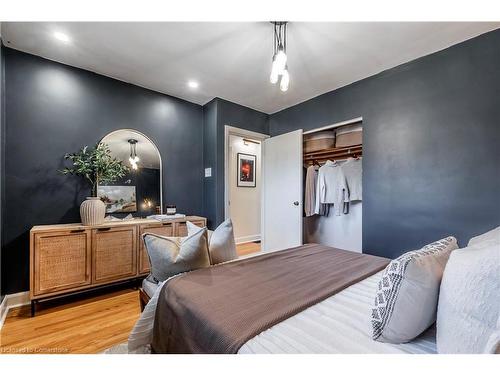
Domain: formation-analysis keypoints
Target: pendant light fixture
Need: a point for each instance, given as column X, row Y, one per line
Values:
column 133, row 159
column 279, row 66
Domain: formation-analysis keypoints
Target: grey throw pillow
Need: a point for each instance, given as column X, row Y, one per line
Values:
column 221, row 244
column 407, row 294
column 169, row 256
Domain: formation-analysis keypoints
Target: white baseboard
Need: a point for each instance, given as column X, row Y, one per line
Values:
column 245, row 239
column 10, row 301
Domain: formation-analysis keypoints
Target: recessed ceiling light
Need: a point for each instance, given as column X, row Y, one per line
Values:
column 193, row 84
column 61, row 37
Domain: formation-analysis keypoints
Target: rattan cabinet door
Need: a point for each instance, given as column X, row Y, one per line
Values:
column 60, row 261
column 114, row 253
column 166, row 229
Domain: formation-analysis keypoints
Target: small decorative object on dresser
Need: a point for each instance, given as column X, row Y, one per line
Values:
column 171, row 209
column 96, row 166
column 66, row 258
column 92, row 211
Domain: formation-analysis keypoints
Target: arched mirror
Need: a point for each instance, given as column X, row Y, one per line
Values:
column 139, row 192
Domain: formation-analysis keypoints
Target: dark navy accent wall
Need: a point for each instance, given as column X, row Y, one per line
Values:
column 2, row 140
column 217, row 114
column 52, row 109
column 431, row 145
column 210, row 161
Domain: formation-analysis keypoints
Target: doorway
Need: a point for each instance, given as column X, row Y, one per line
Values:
column 243, row 186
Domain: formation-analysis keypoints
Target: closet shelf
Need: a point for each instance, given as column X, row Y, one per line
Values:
column 333, row 153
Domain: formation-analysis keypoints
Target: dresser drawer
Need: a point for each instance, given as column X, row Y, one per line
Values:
column 60, row 261
column 114, row 253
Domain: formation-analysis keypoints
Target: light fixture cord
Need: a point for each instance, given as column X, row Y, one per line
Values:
column 284, row 36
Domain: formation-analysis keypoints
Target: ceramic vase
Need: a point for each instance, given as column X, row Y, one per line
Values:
column 92, row 211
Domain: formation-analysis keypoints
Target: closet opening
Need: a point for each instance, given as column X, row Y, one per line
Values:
column 243, row 186
column 333, row 207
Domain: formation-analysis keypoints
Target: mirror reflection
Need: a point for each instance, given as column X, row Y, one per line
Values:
column 139, row 192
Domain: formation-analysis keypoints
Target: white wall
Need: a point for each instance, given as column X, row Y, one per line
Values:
column 342, row 232
column 245, row 202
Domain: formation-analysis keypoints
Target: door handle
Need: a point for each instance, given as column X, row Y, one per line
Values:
column 296, row 203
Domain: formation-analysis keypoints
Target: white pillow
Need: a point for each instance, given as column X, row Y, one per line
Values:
column 169, row 256
column 469, row 301
column 407, row 294
column 493, row 344
column 486, row 239
column 221, row 245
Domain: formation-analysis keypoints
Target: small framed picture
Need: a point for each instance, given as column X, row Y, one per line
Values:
column 246, row 170
column 118, row 198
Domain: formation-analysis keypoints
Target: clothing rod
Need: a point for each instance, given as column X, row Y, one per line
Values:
column 336, row 125
column 335, row 150
column 323, row 161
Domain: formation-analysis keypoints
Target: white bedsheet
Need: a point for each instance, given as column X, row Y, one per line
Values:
column 339, row 324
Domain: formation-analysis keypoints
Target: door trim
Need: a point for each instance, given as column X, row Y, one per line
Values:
column 232, row 130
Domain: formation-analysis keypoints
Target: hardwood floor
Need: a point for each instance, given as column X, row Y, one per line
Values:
column 80, row 324
column 87, row 325
column 247, row 248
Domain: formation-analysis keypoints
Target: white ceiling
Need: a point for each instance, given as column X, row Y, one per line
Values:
column 233, row 60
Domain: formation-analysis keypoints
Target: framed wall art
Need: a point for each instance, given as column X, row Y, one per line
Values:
column 246, row 170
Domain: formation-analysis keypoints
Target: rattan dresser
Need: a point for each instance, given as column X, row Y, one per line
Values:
column 70, row 258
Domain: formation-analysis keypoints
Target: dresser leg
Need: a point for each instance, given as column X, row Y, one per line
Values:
column 33, row 308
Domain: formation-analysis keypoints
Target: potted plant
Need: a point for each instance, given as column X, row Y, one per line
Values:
column 96, row 166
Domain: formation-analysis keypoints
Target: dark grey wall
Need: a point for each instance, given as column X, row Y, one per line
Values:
column 210, row 161
column 217, row 114
column 431, row 145
column 2, row 139
column 52, row 109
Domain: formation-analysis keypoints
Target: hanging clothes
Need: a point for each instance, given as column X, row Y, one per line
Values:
column 353, row 170
column 331, row 187
column 310, row 193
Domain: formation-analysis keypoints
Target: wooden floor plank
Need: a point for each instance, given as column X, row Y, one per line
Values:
column 248, row 248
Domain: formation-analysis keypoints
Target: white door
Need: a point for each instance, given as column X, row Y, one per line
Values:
column 282, row 192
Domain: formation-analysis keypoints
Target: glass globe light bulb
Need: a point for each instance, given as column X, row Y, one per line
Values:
column 285, row 81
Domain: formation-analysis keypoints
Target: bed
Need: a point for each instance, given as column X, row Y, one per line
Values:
column 337, row 321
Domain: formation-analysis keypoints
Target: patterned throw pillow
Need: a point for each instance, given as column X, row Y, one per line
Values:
column 407, row 294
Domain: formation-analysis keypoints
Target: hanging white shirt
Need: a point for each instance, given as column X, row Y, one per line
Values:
column 331, row 187
column 353, row 171
column 310, row 193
